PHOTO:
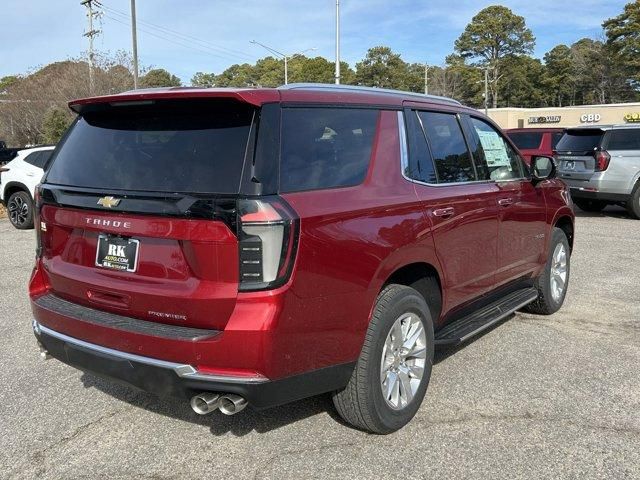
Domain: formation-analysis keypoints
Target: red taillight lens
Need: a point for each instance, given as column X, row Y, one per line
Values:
column 602, row 161
column 267, row 239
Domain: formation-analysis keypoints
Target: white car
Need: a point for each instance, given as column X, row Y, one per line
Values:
column 18, row 180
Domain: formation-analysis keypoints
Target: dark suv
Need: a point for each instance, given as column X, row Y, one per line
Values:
column 258, row 246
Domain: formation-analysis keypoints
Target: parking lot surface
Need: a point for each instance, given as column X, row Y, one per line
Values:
column 535, row 397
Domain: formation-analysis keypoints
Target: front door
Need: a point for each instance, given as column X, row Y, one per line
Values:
column 462, row 210
column 521, row 206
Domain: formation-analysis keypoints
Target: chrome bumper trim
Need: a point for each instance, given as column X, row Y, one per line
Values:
column 186, row 371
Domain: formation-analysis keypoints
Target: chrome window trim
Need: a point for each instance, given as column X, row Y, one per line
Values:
column 404, row 162
column 185, row 371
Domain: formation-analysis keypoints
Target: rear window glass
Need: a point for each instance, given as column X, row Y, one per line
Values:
column 526, row 140
column 325, row 147
column 38, row 159
column 624, row 139
column 580, row 140
column 187, row 147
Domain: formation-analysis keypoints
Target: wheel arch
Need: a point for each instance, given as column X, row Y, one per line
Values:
column 423, row 277
column 565, row 223
column 13, row 187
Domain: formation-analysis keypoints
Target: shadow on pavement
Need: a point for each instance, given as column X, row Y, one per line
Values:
column 248, row 420
column 612, row 211
column 239, row 425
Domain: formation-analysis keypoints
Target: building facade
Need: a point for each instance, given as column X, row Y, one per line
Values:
column 615, row 113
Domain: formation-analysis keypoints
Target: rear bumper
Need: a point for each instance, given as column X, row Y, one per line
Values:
column 164, row 378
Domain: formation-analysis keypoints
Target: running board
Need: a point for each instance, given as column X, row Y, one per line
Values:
column 474, row 323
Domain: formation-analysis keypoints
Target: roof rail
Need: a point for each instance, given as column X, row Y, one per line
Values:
column 358, row 88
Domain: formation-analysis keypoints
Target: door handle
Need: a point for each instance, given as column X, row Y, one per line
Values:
column 444, row 212
column 505, row 202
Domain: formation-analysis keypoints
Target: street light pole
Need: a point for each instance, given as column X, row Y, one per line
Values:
column 486, row 91
column 337, row 42
column 134, row 41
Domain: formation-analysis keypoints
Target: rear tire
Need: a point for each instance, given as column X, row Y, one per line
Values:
column 633, row 205
column 556, row 272
column 590, row 205
column 20, row 210
column 396, row 357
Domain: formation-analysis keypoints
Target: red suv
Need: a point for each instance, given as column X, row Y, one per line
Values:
column 535, row 141
column 257, row 246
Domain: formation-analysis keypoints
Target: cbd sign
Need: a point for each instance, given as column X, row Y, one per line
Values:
column 590, row 118
column 632, row 117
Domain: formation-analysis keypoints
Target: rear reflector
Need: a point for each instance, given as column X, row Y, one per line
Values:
column 267, row 234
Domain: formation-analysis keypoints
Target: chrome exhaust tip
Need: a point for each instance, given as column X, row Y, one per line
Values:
column 205, row 403
column 44, row 353
column 232, row 404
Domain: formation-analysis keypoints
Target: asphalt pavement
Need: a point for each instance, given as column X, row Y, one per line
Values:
column 535, row 397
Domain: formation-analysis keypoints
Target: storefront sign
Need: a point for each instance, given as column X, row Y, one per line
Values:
column 632, row 117
column 545, row 119
column 590, row 118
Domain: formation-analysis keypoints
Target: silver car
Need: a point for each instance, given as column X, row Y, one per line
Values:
column 601, row 165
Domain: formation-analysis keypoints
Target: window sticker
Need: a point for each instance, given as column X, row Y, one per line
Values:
column 494, row 149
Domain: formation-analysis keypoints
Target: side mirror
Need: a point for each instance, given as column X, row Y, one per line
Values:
column 542, row 168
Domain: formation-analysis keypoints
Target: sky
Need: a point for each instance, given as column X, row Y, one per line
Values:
column 187, row 36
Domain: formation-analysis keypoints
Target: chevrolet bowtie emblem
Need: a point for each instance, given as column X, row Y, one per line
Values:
column 109, row 202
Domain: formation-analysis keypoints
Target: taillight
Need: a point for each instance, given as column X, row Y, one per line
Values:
column 602, row 160
column 37, row 201
column 267, row 238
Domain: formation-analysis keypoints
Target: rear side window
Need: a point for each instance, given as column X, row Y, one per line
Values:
column 38, row 159
column 325, row 147
column 180, row 146
column 448, row 147
column 526, row 140
column 580, row 140
column 555, row 138
column 624, row 139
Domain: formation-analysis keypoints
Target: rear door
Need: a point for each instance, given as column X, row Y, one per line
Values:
column 521, row 206
column 462, row 210
column 138, row 211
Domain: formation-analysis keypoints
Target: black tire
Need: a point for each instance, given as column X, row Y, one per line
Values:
column 362, row 403
column 590, row 205
column 546, row 304
column 20, row 210
column 633, row 205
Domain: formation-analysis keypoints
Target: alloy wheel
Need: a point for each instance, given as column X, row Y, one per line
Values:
column 403, row 360
column 558, row 272
column 18, row 210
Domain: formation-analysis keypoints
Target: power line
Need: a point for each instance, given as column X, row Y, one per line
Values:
column 166, row 39
column 228, row 52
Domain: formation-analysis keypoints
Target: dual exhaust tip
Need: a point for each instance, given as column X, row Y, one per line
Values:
column 207, row 402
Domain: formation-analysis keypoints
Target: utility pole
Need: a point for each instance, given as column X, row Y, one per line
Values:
column 134, row 41
column 90, row 34
column 426, row 79
column 285, row 56
column 486, row 90
column 337, row 42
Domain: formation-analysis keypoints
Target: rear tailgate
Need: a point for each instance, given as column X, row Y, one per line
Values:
column 183, row 272
column 576, row 153
column 138, row 211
